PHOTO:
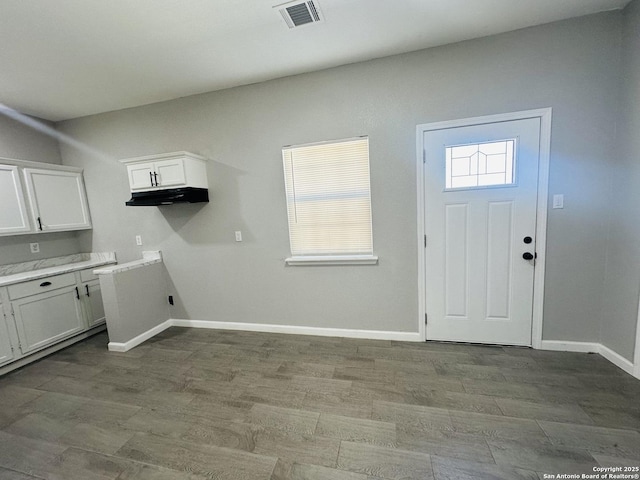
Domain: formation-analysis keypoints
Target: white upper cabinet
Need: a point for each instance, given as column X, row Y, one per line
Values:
column 167, row 170
column 57, row 199
column 140, row 176
column 13, row 213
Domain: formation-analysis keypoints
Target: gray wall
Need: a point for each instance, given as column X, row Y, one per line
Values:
column 622, row 286
column 571, row 66
column 22, row 142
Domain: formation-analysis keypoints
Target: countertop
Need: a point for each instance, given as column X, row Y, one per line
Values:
column 148, row 258
column 25, row 271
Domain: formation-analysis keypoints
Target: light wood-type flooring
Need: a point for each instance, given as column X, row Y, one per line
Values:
column 195, row 403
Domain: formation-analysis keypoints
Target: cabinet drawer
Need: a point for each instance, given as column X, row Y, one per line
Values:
column 88, row 275
column 41, row 285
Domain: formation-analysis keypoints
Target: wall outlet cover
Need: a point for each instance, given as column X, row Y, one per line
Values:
column 34, row 247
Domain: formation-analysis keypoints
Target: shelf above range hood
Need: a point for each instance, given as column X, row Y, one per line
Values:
column 168, row 196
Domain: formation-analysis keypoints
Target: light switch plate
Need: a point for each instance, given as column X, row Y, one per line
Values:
column 558, row 201
column 238, row 236
column 138, row 239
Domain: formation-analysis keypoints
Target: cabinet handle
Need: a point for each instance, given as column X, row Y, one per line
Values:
column 87, row 289
column 155, row 177
column 39, row 224
column 45, row 284
column 151, row 178
column 77, row 293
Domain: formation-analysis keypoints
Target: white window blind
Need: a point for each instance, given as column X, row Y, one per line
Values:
column 329, row 198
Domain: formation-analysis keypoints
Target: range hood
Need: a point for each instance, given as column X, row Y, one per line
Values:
column 168, row 196
column 167, row 178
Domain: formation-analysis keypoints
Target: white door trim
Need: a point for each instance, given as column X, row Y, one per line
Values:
column 541, row 215
column 636, row 359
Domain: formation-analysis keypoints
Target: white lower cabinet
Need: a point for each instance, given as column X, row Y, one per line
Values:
column 48, row 317
column 47, row 311
column 92, row 299
column 6, row 350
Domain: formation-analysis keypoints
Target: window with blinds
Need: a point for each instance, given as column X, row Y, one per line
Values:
column 329, row 198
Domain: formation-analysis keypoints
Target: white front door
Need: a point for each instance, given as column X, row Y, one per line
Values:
column 480, row 193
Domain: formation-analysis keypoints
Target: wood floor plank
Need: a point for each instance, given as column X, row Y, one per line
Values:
column 317, row 472
column 446, row 443
column 103, row 439
column 198, row 458
column 609, row 441
column 41, row 427
column 454, row 401
column 26, row 455
column 388, row 463
column 498, row 427
column 15, row 396
column 357, row 430
column 453, row 469
column 287, row 419
column 13, row 475
column 412, row 417
column 609, row 461
column 336, row 404
column 548, row 459
column 543, row 411
column 296, row 447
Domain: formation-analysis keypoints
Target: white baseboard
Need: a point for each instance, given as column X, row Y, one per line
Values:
column 591, row 347
column 299, row 330
column 616, row 359
column 134, row 342
column 557, row 345
column 567, row 346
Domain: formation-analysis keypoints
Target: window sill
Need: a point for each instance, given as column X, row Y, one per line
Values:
column 333, row 260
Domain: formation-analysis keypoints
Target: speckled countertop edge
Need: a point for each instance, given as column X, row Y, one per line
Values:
column 53, row 266
column 148, row 258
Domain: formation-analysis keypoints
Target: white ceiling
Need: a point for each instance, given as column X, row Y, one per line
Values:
column 61, row 59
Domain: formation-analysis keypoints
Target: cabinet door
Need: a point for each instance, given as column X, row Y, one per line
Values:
column 170, row 173
column 58, row 200
column 48, row 317
column 141, row 176
column 13, row 214
column 93, row 307
column 6, row 352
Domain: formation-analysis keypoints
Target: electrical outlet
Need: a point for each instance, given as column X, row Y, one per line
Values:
column 138, row 239
column 35, row 247
column 238, row 236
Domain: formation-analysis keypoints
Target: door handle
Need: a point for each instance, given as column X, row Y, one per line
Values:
column 529, row 255
column 77, row 293
column 87, row 289
column 155, row 177
column 39, row 224
column 45, row 284
column 151, row 178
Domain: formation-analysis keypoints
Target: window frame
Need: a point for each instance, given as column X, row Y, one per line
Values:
column 333, row 258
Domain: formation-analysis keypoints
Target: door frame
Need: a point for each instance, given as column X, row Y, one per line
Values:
column 544, row 114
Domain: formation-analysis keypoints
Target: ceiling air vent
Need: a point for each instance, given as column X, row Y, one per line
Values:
column 298, row 13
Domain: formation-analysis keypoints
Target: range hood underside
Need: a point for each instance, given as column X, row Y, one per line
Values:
column 169, row 197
